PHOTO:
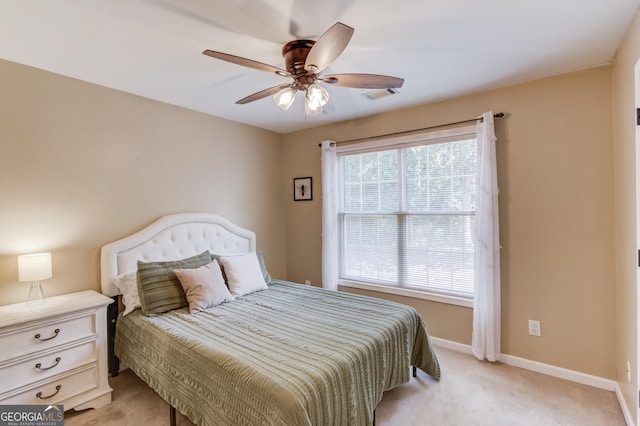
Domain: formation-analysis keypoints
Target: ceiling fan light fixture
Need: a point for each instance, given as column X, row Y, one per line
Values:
column 315, row 99
column 310, row 111
column 285, row 97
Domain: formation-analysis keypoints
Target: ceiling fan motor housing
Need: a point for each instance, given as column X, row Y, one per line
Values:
column 295, row 54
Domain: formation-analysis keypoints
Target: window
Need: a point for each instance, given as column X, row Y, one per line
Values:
column 406, row 215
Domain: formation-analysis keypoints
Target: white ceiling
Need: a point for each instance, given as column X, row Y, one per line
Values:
column 442, row 48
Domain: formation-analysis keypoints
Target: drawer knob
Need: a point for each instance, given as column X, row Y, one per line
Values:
column 39, row 394
column 44, row 339
column 41, row 368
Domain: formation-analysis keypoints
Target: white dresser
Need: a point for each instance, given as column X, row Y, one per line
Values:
column 55, row 353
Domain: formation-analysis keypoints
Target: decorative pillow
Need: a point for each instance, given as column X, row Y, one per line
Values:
column 204, row 286
column 158, row 287
column 243, row 273
column 128, row 285
column 263, row 266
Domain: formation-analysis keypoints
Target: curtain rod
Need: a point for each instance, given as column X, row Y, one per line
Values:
column 497, row 115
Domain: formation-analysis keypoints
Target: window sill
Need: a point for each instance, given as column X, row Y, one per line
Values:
column 416, row 294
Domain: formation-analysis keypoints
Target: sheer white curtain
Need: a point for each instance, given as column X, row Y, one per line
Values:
column 329, row 216
column 486, row 302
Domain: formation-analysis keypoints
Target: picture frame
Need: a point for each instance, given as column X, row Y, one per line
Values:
column 302, row 189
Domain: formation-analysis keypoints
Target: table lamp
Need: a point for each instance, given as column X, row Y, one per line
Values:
column 33, row 268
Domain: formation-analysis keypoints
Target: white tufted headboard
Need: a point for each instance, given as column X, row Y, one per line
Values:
column 172, row 237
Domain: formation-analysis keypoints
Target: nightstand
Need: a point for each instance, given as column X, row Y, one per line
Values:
column 55, row 353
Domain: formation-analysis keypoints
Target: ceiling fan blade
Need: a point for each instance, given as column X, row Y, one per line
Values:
column 262, row 94
column 364, row 81
column 328, row 47
column 245, row 62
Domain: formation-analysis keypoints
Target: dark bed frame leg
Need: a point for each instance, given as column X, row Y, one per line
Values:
column 172, row 415
column 414, row 372
column 112, row 318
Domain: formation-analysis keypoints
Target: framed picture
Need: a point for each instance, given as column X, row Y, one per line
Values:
column 302, row 189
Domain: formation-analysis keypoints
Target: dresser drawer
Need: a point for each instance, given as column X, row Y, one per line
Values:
column 45, row 335
column 67, row 337
column 46, row 365
column 56, row 390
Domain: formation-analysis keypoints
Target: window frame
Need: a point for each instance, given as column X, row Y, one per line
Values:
column 399, row 142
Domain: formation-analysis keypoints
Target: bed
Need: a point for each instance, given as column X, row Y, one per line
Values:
column 285, row 354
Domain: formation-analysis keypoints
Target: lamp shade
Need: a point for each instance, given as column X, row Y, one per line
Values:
column 316, row 98
column 285, row 97
column 34, row 267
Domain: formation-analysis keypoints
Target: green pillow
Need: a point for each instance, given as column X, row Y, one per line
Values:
column 263, row 267
column 158, row 286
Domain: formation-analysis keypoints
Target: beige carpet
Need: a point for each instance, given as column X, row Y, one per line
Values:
column 469, row 393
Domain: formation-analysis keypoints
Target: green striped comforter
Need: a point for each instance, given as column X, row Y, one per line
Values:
column 289, row 355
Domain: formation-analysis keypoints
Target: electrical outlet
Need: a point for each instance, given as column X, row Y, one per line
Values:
column 534, row 328
column 628, row 370
column 307, row 282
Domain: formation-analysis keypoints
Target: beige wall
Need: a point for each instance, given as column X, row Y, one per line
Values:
column 555, row 170
column 624, row 131
column 82, row 165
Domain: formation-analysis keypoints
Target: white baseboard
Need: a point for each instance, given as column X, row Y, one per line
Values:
column 559, row 372
column 450, row 344
column 624, row 407
column 549, row 370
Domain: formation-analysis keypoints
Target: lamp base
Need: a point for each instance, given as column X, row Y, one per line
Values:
column 36, row 295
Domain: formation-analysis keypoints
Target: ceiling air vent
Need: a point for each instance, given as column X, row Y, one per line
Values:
column 380, row 94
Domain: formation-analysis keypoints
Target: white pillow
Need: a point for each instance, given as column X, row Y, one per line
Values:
column 128, row 285
column 243, row 273
column 204, row 286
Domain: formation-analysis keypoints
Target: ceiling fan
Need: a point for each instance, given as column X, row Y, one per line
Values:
column 304, row 61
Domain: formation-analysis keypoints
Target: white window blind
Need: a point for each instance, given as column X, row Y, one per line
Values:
column 407, row 215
